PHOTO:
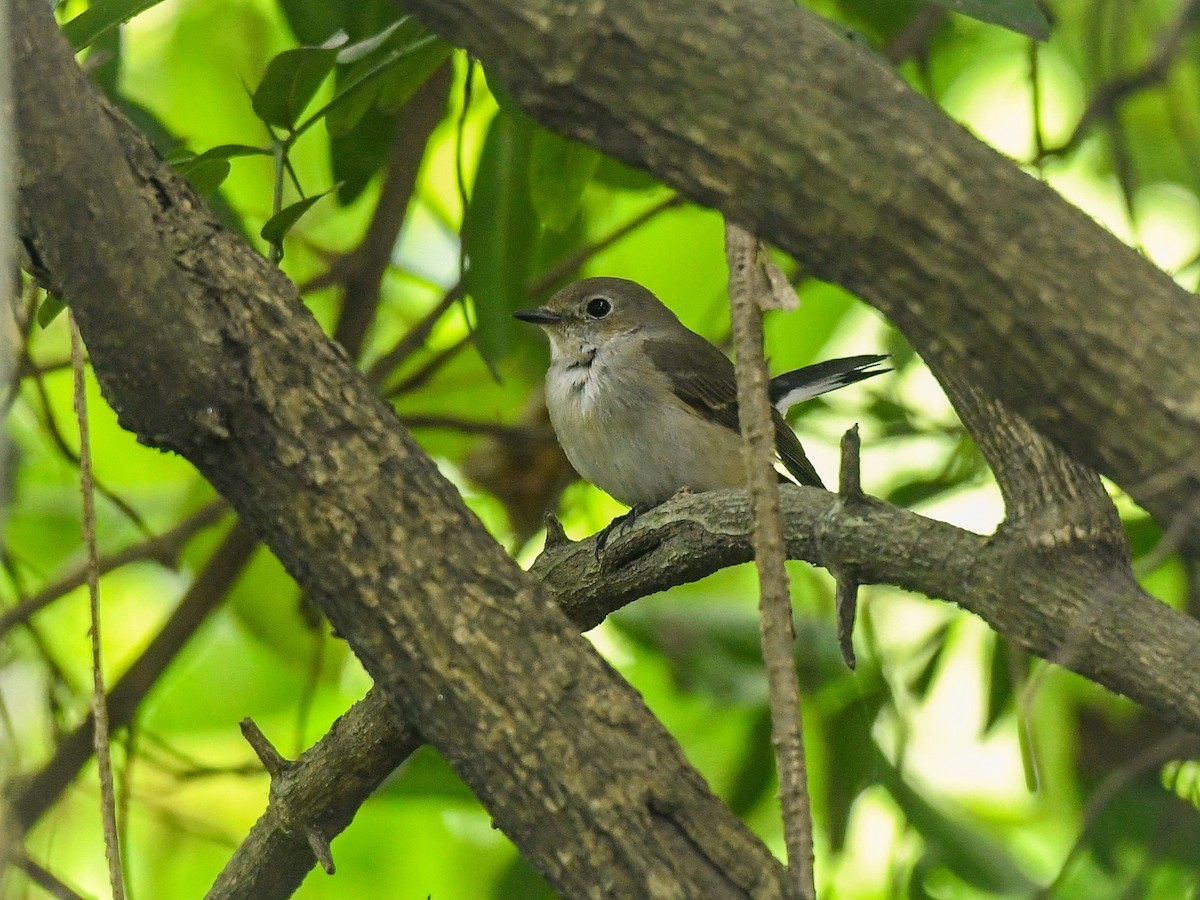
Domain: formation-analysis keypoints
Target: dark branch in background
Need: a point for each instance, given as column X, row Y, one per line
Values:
column 164, row 549
column 562, row 270
column 360, row 273
column 1105, row 102
column 1174, row 745
column 45, row 879
column 33, row 797
column 414, row 339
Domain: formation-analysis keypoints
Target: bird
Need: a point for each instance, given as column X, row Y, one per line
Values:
column 645, row 408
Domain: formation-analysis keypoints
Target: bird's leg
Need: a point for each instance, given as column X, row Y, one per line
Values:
column 620, row 524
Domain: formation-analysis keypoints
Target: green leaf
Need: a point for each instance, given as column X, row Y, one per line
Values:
column 559, row 170
column 1182, row 778
column 291, row 80
column 352, row 53
column 616, row 174
column 1000, row 684
column 387, row 79
column 209, row 169
column 50, row 309
column 500, row 233
column 206, row 175
column 277, row 227
column 101, row 16
column 1021, row 16
column 356, row 156
column 411, row 71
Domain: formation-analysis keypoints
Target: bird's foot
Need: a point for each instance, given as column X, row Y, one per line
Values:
column 620, row 525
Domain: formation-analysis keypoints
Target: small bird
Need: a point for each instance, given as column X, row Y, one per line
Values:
column 644, row 407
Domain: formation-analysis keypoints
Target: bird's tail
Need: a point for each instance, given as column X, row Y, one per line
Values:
column 795, row 387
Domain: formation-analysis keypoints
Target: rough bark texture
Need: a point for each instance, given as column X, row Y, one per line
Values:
column 1084, row 611
column 758, row 108
column 204, row 348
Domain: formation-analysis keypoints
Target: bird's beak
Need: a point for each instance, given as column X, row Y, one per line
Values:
column 538, row 316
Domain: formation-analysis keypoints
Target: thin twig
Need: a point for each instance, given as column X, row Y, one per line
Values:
column 40, row 790
column 1175, row 744
column 746, row 284
column 421, row 377
column 60, row 442
column 108, row 802
column 275, row 254
column 846, row 594
column 414, row 339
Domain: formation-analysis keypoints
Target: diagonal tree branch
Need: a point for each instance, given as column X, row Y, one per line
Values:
column 1034, row 599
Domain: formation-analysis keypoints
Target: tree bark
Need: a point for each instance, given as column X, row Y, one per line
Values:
column 758, row 108
column 202, row 347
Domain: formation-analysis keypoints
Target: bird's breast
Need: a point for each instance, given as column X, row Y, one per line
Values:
column 623, row 430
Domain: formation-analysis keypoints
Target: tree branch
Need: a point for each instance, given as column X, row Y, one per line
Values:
column 1038, row 601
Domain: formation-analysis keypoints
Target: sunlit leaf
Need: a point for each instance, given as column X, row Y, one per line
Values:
column 407, row 59
column 1182, row 778
column 277, row 227
column 1000, row 684
column 966, row 851
column 559, row 170
column 206, row 171
column 352, row 53
column 206, row 175
column 1022, row 16
column 617, row 174
column 101, row 16
column 291, row 80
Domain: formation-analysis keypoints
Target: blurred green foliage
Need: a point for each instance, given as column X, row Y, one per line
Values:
column 918, row 779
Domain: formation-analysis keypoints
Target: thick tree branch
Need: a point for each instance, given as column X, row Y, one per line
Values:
column 810, row 141
column 1046, row 603
column 210, row 353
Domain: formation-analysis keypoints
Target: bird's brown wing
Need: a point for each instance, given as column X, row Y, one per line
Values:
column 703, row 377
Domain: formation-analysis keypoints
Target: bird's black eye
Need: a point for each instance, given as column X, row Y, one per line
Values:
column 599, row 307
